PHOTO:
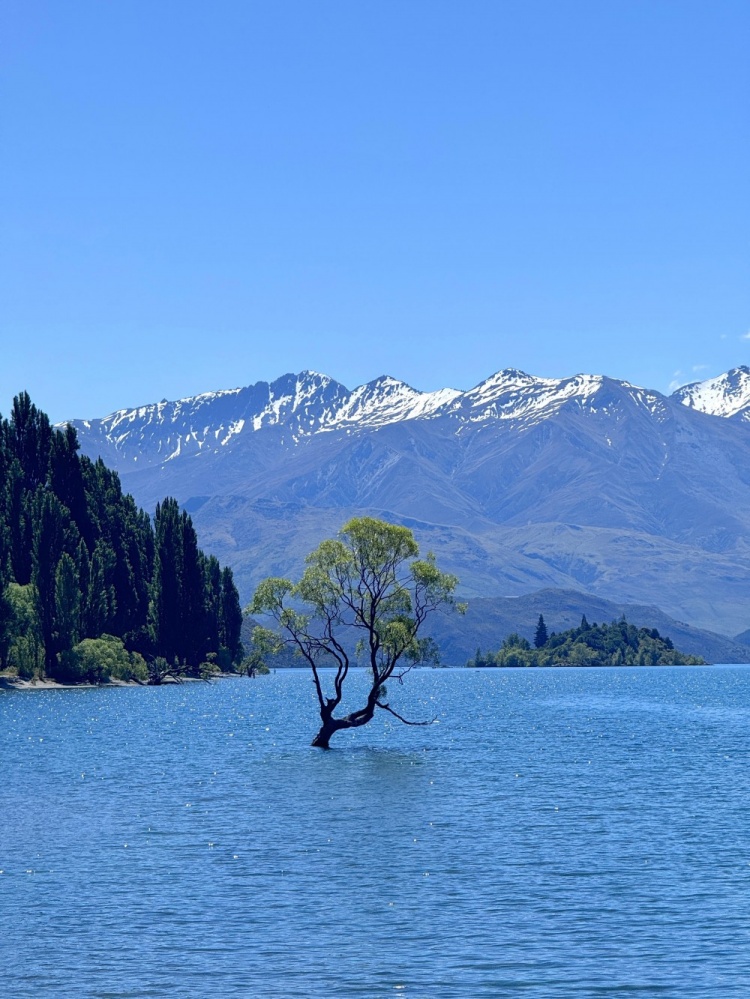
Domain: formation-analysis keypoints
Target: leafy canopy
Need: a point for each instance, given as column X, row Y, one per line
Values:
column 368, row 582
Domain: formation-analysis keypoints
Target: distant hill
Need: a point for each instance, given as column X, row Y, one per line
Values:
column 488, row 621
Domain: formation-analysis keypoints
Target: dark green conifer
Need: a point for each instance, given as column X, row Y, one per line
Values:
column 165, row 616
column 67, row 604
column 231, row 616
column 213, row 604
column 66, row 478
column 50, row 526
column 80, row 557
column 101, row 604
column 18, row 519
column 193, row 616
column 540, row 637
column 30, row 435
column 7, row 621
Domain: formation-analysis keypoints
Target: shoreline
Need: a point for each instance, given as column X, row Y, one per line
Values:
column 14, row 683
column 11, row 683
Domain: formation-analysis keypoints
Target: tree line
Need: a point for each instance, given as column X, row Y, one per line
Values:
column 615, row 644
column 86, row 577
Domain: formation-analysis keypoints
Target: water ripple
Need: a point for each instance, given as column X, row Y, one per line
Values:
column 560, row 833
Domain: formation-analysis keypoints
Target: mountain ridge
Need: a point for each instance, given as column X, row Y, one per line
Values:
column 507, row 394
column 309, row 403
column 519, row 483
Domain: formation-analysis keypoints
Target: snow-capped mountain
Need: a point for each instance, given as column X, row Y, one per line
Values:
column 309, row 403
column 726, row 395
column 525, row 400
column 518, row 483
column 301, row 405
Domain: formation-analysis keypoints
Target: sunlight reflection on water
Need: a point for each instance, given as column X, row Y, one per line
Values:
column 560, row 833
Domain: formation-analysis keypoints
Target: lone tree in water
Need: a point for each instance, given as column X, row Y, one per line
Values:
column 369, row 582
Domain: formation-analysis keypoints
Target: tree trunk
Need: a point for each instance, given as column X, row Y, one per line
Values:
column 331, row 725
column 323, row 737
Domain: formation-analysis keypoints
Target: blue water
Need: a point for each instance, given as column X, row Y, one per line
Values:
column 559, row 832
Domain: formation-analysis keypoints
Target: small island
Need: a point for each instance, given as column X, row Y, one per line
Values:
column 617, row 644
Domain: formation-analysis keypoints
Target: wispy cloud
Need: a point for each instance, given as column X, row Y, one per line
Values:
column 678, row 379
column 745, row 336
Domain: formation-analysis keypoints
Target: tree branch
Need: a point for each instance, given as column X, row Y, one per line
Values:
column 387, row 707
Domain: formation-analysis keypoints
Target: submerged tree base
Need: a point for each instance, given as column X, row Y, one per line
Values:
column 329, row 728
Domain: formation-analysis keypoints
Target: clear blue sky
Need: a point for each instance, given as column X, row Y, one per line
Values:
column 198, row 195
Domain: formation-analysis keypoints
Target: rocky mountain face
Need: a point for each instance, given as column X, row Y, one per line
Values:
column 299, row 405
column 584, row 483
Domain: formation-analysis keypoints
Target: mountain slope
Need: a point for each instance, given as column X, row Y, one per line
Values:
column 520, row 483
column 302, row 405
column 727, row 395
column 489, row 620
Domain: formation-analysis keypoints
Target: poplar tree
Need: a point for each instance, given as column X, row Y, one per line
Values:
column 166, row 587
column 30, row 436
column 193, row 618
column 18, row 519
column 50, row 521
column 213, row 604
column 79, row 550
column 231, row 616
column 67, row 604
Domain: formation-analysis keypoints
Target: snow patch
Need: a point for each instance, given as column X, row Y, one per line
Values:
column 726, row 395
column 310, row 403
column 234, row 428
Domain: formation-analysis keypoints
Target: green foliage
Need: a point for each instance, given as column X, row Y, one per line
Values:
column 194, row 606
column 540, row 636
column 93, row 563
column 25, row 650
column 210, row 667
column 366, row 588
column 51, row 525
column 615, row 644
column 96, row 660
column 7, row 623
column 254, row 665
column 515, row 641
column 224, row 661
column 67, row 603
column 230, row 617
column 158, row 670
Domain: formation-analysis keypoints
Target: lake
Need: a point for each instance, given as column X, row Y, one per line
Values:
column 557, row 832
